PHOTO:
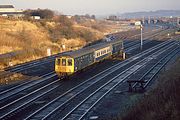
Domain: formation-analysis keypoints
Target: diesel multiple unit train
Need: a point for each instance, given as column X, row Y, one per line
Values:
column 71, row 62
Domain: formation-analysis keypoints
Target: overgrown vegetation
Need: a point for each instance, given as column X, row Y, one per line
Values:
column 162, row 103
column 13, row 78
column 43, row 13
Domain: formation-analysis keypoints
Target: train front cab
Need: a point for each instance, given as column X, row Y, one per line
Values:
column 64, row 66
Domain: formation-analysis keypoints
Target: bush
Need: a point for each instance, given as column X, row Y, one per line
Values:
column 43, row 13
column 64, row 21
column 86, row 35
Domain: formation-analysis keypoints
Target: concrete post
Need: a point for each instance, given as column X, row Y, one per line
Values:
column 124, row 55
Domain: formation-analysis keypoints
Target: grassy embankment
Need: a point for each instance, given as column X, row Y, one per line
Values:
column 161, row 103
column 28, row 40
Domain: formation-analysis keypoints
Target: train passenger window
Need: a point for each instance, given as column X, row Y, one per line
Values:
column 58, row 61
column 63, row 62
column 69, row 62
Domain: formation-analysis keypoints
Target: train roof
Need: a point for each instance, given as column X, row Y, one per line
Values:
column 89, row 49
column 115, row 41
column 78, row 53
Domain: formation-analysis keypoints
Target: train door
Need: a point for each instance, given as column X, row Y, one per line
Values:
column 57, row 65
column 64, row 65
column 70, row 65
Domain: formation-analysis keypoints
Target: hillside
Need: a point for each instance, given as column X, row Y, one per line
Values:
column 26, row 40
column 159, row 13
column 21, row 41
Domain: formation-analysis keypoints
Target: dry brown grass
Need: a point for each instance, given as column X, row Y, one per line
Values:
column 162, row 103
column 9, row 43
column 88, row 34
column 22, row 41
column 13, row 78
column 72, row 44
column 29, row 40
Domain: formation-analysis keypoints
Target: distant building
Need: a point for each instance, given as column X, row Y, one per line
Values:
column 178, row 21
column 36, row 17
column 69, row 16
column 138, row 23
column 135, row 22
column 113, row 18
column 10, row 11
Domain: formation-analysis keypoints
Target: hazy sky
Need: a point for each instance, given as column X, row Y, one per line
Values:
column 98, row 7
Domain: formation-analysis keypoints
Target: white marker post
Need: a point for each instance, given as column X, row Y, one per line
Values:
column 63, row 48
column 123, row 51
column 123, row 45
column 124, row 55
column 48, row 52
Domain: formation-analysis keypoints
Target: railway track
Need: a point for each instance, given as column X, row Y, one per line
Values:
column 145, row 40
column 30, row 64
column 12, row 93
column 80, row 110
column 154, row 68
column 48, row 110
column 85, row 106
column 24, row 104
column 34, row 82
column 147, row 33
column 26, row 100
column 127, row 47
column 26, row 67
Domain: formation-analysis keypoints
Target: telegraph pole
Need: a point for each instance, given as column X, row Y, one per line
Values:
column 122, row 45
column 141, row 37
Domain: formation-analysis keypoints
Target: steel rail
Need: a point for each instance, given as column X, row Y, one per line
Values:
column 7, row 94
column 145, row 74
column 116, row 80
column 67, row 93
column 31, row 100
